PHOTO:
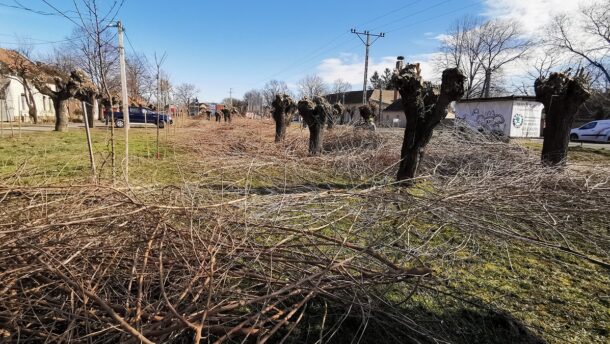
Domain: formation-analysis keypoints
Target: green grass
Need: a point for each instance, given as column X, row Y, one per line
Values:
column 38, row 158
column 575, row 153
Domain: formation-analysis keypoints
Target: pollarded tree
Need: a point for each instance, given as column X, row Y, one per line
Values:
column 424, row 106
column 338, row 110
column 561, row 95
column 226, row 113
column 283, row 110
column 315, row 113
column 367, row 113
column 75, row 85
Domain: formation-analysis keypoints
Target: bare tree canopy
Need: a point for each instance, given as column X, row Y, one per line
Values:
column 185, row 93
column 312, row 86
column 585, row 37
column 480, row 50
column 341, row 86
column 273, row 88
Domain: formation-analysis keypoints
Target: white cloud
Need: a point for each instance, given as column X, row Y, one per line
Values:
column 532, row 15
column 350, row 67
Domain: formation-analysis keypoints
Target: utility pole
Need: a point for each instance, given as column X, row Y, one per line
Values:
column 367, row 44
column 231, row 97
column 124, row 96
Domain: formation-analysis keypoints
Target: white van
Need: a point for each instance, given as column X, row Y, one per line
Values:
column 598, row 131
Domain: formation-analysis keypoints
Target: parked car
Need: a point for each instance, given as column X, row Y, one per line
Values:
column 598, row 131
column 140, row 115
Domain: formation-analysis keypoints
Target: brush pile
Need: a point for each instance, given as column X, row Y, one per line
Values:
column 193, row 262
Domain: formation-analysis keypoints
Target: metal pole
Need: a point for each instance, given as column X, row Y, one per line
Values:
column 89, row 144
column 125, row 97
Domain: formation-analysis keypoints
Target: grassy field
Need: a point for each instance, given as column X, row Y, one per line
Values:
column 485, row 288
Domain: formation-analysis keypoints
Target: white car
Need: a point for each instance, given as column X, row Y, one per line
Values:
column 598, row 131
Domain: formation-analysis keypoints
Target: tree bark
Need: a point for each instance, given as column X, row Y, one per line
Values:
column 561, row 95
column 61, row 114
column 283, row 109
column 280, row 128
column 315, row 138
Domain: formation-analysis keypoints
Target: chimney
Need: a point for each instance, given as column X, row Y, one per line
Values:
column 400, row 62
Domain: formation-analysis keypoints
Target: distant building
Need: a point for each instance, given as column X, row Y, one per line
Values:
column 353, row 99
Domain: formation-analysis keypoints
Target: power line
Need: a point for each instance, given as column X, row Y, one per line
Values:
column 434, row 17
column 412, row 14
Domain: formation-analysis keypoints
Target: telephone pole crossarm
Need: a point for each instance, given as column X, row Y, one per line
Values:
column 367, row 43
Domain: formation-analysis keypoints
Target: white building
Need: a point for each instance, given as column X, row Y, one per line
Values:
column 507, row 116
column 13, row 101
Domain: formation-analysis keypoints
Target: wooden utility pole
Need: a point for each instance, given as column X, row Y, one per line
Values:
column 125, row 97
column 367, row 44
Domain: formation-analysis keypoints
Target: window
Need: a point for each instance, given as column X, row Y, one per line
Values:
column 44, row 103
column 589, row 125
column 24, row 103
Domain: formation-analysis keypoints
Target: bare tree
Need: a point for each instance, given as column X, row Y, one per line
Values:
column 480, row 50
column 312, row 86
column 585, row 37
column 339, row 88
column 273, row 88
column 501, row 43
column 461, row 48
column 140, row 81
column 23, row 68
column 185, row 93
column 254, row 100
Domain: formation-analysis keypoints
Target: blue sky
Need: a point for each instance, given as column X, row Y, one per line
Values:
column 241, row 44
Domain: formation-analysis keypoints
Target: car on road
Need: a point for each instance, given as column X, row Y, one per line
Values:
column 140, row 115
column 596, row 131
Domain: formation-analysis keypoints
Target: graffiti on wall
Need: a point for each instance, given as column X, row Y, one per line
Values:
column 489, row 121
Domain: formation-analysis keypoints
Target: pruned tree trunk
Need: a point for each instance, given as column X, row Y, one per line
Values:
column 61, row 114
column 561, row 95
column 315, row 114
column 424, row 108
column 283, row 109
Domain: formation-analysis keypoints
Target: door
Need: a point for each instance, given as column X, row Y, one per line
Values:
column 136, row 115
